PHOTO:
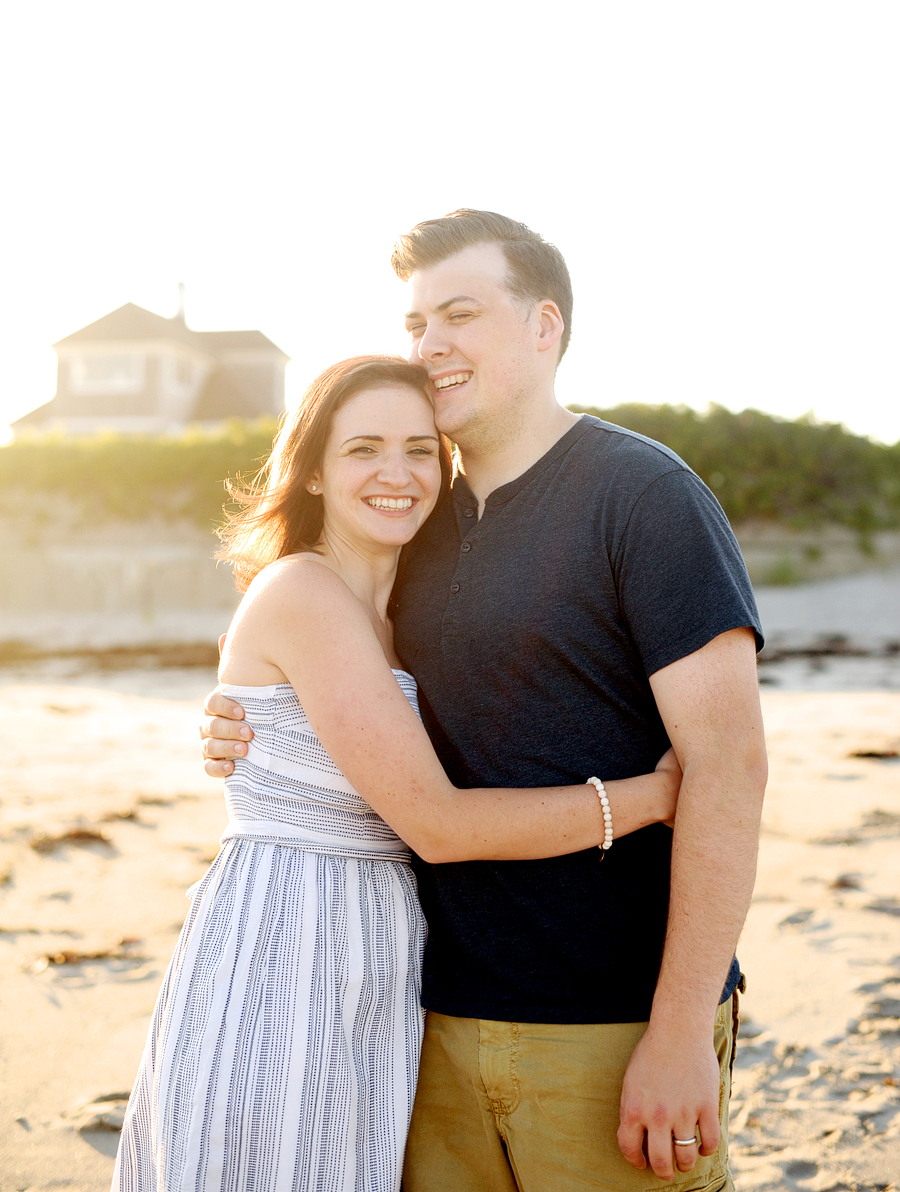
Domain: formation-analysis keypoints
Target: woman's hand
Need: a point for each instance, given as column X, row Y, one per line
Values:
column 646, row 799
column 669, row 769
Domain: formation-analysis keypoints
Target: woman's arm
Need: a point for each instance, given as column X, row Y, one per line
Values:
column 304, row 620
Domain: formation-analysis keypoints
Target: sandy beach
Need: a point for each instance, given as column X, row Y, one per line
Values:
column 107, row 818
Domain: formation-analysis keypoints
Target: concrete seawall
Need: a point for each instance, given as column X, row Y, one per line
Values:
column 70, row 585
column 121, row 584
column 778, row 556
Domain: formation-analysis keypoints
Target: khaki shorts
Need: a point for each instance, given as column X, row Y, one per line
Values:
column 525, row 1107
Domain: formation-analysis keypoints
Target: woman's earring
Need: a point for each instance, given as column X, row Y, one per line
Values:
column 312, row 488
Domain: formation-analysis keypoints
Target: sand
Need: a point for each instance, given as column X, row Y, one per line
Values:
column 88, row 924
column 816, row 1101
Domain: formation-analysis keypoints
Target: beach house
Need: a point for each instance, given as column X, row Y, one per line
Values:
column 136, row 372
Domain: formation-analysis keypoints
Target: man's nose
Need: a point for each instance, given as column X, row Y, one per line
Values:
column 431, row 345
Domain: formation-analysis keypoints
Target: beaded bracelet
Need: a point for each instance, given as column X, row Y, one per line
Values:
column 607, row 816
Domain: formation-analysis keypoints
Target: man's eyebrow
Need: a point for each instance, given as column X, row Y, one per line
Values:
column 414, row 314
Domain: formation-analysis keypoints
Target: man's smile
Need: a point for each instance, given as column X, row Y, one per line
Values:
column 451, row 380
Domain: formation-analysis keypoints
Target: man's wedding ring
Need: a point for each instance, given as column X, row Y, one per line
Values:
column 685, row 1141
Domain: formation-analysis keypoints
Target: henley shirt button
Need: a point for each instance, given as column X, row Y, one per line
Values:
column 454, row 587
column 466, row 546
column 468, row 513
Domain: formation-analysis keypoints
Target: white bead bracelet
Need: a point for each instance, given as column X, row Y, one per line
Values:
column 607, row 816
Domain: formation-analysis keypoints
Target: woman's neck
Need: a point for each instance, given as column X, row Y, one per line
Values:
column 368, row 574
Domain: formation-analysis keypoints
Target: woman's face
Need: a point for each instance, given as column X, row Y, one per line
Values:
column 380, row 475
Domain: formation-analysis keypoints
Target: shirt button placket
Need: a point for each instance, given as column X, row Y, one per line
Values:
column 450, row 623
column 464, row 549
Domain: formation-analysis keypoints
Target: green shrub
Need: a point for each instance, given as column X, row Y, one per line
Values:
column 134, row 477
column 782, row 573
column 800, row 473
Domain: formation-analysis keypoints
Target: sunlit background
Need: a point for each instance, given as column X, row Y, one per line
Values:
column 722, row 178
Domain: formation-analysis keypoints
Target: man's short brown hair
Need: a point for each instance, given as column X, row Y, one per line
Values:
column 537, row 269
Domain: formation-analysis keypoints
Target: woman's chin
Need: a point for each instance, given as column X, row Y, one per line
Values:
column 395, row 531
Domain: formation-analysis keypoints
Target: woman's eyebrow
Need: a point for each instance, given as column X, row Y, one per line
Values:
column 380, row 439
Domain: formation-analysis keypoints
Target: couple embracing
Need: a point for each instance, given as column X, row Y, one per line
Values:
column 557, row 671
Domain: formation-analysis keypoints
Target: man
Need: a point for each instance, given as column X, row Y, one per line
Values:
column 574, row 604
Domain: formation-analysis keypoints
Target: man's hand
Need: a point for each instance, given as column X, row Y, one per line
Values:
column 709, row 704
column 670, row 1092
column 223, row 733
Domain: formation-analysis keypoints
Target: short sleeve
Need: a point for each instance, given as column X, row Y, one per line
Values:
column 680, row 574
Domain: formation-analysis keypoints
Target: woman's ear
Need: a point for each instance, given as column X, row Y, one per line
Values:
column 314, row 484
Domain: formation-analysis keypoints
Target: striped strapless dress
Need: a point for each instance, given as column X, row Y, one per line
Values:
column 284, row 1046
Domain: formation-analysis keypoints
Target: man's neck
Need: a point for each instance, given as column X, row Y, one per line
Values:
column 489, row 468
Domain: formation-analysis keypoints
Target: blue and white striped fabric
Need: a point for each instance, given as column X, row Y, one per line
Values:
column 284, row 1047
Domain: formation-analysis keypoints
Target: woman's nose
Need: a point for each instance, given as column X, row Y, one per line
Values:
column 394, row 469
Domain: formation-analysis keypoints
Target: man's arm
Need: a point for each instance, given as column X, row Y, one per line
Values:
column 223, row 733
column 709, row 703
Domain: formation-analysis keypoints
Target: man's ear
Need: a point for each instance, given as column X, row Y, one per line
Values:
column 551, row 325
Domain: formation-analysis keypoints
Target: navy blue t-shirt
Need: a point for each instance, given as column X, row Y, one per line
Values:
column 532, row 633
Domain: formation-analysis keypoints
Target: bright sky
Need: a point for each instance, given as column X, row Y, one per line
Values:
column 722, row 178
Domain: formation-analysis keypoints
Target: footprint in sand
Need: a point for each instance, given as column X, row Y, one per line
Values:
column 105, row 1112
column 797, row 919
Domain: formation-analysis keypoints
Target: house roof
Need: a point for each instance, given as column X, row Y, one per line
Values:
column 33, row 417
column 219, row 340
column 132, row 322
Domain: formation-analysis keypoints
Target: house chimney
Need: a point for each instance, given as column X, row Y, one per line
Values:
column 181, row 301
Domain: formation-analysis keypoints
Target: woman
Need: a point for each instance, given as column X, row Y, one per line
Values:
column 284, row 1046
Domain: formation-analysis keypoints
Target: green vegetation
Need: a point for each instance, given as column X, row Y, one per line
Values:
column 801, row 474
column 133, row 477
column 782, row 573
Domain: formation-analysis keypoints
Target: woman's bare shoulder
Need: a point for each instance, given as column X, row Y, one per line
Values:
column 301, row 577
column 297, row 604
column 303, row 597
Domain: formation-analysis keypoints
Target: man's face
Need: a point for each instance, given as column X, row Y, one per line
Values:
column 476, row 342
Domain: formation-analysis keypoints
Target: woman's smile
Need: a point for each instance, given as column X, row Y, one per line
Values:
column 390, row 504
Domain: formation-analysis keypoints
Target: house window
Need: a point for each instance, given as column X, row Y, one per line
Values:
column 179, row 374
column 107, row 374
